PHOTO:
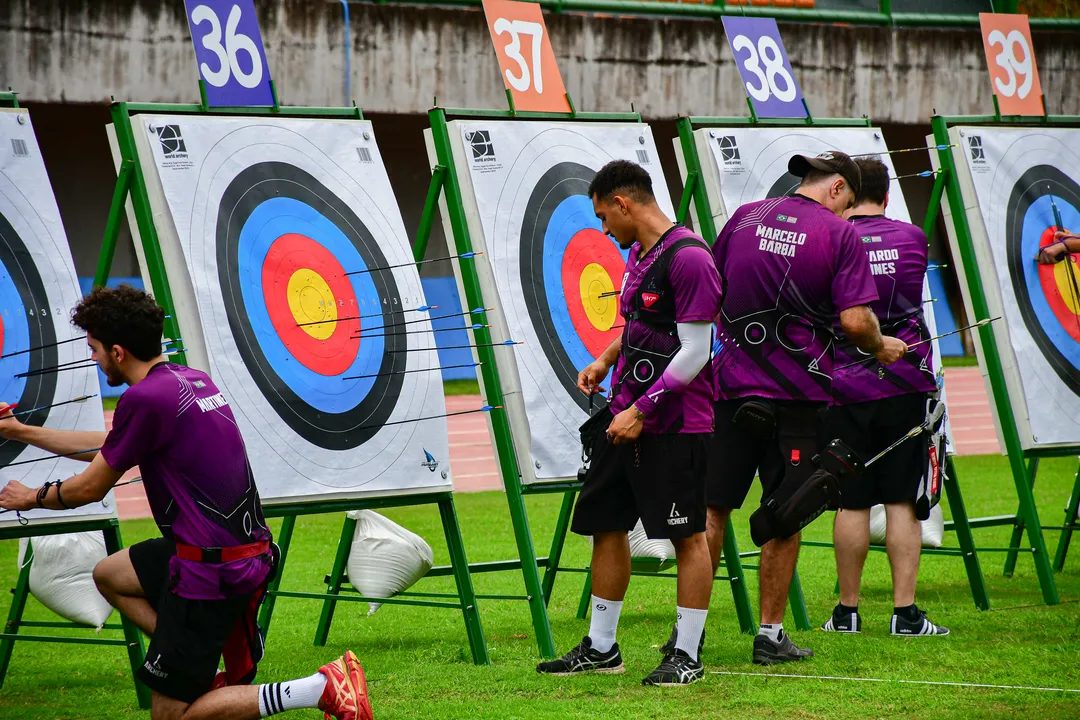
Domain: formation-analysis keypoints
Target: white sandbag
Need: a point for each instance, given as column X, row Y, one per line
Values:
column 62, row 575
column 642, row 547
column 933, row 527
column 385, row 558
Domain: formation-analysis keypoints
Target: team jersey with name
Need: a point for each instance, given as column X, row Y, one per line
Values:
column 788, row 267
column 696, row 290
column 897, row 254
column 178, row 428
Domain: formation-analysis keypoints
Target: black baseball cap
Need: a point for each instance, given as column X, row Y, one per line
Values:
column 831, row 161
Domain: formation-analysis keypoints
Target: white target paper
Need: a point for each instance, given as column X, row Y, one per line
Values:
column 191, row 167
column 500, row 165
column 35, row 254
column 1007, row 176
column 742, row 165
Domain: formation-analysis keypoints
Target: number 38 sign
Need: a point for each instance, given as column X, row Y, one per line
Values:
column 1007, row 41
column 229, row 52
column 764, row 67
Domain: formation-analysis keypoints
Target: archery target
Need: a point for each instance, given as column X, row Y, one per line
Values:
column 1012, row 181
column 302, row 300
column 38, row 288
column 742, row 165
column 555, row 274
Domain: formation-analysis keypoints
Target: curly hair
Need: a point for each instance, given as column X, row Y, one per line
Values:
column 622, row 177
column 122, row 316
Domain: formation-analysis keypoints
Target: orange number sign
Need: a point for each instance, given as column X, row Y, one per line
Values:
column 526, row 59
column 1007, row 40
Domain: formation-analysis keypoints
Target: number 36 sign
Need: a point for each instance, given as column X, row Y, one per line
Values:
column 229, row 52
column 764, row 67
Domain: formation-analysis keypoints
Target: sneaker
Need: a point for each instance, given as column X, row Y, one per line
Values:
column 767, row 652
column 843, row 622
column 669, row 647
column 916, row 628
column 678, row 668
column 345, row 696
column 583, row 659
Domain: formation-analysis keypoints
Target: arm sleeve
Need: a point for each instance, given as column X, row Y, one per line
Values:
column 853, row 284
column 695, row 339
column 141, row 425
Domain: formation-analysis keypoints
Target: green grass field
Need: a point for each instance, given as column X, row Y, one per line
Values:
column 418, row 666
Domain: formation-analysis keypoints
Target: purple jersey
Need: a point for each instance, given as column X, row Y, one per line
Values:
column 696, row 290
column 177, row 427
column 897, row 254
column 788, row 268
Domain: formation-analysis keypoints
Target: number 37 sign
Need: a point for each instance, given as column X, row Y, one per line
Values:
column 229, row 52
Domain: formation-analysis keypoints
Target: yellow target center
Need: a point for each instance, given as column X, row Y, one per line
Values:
column 1065, row 283
column 312, row 301
column 600, row 308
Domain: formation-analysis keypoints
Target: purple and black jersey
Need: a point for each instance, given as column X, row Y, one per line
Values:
column 178, row 428
column 897, row 254
column 788, row 267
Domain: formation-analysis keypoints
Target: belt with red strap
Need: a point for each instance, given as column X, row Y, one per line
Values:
column 222, row 555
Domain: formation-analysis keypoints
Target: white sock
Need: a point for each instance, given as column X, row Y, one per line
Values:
column 605, row 621
column 275, row 698
column 773, row 632
column 691, row 622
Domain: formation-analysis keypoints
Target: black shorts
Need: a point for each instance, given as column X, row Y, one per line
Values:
column 870, row 427
column 185, row 649
column 737, row 454
column 660, row 480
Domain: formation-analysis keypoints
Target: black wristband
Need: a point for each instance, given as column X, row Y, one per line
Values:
column 42, row 492
column 59, row 497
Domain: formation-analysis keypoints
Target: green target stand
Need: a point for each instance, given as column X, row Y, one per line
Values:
column 695, row 150
column 132, row 197
column 1029, row 406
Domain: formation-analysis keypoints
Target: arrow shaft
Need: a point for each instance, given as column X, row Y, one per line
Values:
column 414, row 263
column 431, row 417
column 406, row 372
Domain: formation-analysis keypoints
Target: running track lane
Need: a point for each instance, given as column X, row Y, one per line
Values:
column 475, row 470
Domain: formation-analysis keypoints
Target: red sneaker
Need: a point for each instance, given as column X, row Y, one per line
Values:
column 345, row 696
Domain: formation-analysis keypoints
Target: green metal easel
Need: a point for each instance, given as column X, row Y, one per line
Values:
column 131, row 185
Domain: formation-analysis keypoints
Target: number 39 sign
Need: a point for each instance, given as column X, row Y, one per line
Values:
column 526, row 59
column 764, row 67
column 229, row 52
column 1007, row 40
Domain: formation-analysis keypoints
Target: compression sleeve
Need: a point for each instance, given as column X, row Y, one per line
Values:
column 695, row 340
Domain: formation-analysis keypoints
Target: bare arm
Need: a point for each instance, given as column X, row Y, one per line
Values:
column 91, row 485
column 861, row 325
column 590, row 378
column 60, row 442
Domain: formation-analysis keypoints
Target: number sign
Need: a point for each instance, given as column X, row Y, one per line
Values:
column 229, row 52
column 525, row 56
column 764, row 67
column 1007, row 40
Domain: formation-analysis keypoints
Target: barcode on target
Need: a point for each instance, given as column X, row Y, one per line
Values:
column 18, row 147
column 643, row 157
column 364, row 153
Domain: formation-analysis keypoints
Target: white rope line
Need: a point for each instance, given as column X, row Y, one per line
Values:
column 907, row 682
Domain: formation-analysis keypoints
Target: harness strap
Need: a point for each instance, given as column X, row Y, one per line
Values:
column 222, row 555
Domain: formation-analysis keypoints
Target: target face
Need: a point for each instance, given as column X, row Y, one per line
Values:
column 548, row 267
column 1019, row 177
column 302, row 298
column 38, row 288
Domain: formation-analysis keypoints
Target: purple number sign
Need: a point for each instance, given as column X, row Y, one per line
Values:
column 229, row 52
column 764, row 67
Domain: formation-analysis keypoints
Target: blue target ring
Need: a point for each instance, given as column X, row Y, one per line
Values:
column 16, row 339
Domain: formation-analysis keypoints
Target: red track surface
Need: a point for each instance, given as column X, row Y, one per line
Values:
column 473, row 461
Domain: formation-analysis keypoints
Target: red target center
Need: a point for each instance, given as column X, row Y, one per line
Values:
column 1060, row 284
column 307, row 294
column 592, row 270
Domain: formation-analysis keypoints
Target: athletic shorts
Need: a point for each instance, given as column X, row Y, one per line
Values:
column 870, row 427
column 660, row 480
column 185, row 649
column 737, row 455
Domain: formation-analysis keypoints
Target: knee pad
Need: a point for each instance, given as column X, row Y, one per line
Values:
column 757, row 417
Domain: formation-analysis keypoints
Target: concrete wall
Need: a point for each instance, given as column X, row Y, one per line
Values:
column 403, row 57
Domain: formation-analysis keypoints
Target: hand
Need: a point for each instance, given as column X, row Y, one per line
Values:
column 16, row 496
column 1052, row 253
column 589, row 379
column 626, row 427
column 892, row 349
column 9, row 424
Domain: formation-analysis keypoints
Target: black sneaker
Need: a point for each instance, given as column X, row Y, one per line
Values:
column 583, row 659
column 915, row 628
column 767, row 652
column 669, row 647
column 678, row 668
column 845, row 622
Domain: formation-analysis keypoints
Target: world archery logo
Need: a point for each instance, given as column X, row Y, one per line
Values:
column 482, row 149
column 172, row 143
column 975, row 146
column 431, row 463
column 729, row 151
